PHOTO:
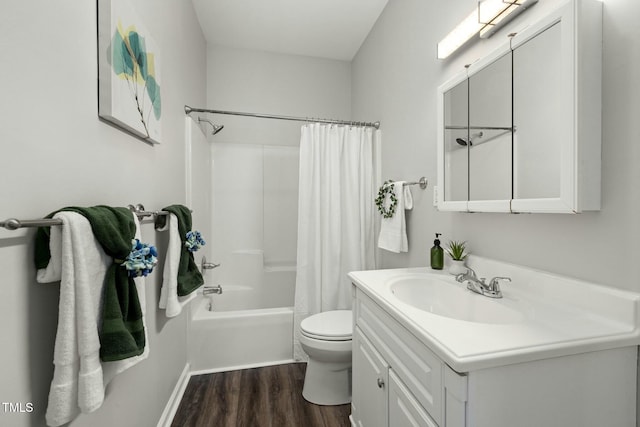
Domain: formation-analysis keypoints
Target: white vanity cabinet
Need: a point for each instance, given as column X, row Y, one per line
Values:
column 398, row 381
column 381, row 395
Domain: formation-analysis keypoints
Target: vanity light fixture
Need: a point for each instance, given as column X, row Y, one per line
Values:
column 489, row 16
column 496, row 13
column 461, row 34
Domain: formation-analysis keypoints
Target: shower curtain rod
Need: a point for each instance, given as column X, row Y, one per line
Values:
column 188, row 110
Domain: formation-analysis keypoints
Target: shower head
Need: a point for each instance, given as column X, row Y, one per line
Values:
column 463, row 142
column 216, row 128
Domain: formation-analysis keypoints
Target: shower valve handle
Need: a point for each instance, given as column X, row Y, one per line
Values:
column 208, row 265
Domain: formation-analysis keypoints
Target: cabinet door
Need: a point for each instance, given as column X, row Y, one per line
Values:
column 370, row 382
column 490, row 132
column 557, row 111
column 404, row 410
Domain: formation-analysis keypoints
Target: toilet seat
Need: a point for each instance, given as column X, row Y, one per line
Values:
column 336, row 325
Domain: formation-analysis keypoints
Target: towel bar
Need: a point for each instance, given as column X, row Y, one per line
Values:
column 14, row 224
column 422, row 182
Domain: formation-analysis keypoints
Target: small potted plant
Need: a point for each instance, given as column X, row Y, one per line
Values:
column 457, row 252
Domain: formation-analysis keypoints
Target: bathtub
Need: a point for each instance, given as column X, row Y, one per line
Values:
column 245, row 326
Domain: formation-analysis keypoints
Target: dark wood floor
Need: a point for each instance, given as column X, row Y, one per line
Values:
column 260, row 397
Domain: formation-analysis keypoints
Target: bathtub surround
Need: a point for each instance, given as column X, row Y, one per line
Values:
column 254, row 223
column 254, row 215
column 335, row 217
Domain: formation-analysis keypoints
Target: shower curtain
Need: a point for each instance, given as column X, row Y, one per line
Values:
column 335, row 217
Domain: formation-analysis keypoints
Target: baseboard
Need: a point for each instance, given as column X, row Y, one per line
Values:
column 353, row 424
column 174, row 400
column 239, row 367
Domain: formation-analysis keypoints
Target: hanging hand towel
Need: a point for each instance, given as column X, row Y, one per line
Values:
column 169, row 298
column 113, row 368
column 72, row 254
column 393, row 231
column 187, row 275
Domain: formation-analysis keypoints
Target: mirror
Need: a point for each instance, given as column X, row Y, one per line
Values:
column 520, row 129
column 456, row 131
column 490, row 131
column 537, row 154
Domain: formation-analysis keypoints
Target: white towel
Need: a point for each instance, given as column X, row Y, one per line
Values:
column 169, row 299
column 78, row 261
column 393, row 231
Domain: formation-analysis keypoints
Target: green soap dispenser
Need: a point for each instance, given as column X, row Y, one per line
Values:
column 437, row 254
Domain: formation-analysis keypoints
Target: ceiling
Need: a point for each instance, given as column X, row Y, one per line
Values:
column 323, row 28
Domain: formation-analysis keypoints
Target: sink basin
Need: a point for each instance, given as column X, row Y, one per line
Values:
column 445, row 299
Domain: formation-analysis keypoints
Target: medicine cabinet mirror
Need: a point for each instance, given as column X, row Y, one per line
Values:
column 519, row 130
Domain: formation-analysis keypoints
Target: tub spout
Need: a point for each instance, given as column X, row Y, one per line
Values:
column 207, row 290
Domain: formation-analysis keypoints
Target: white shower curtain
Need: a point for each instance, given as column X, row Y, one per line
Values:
column 335, row 217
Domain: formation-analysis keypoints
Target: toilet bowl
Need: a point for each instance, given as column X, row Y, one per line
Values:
column 326, row 338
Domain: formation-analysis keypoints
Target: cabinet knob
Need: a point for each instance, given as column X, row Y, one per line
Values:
column 380, row 383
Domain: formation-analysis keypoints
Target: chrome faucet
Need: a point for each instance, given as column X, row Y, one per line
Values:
column 479, row 286
column 208, row 265
column 207, row 290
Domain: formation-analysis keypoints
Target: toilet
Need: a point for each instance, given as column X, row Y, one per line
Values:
column 326, row 338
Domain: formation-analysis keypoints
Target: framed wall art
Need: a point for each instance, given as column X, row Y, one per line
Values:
column 129, row 89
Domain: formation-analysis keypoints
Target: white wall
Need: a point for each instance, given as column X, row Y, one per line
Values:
column 54, row 153
column 263, row 82
column 395, row 76
column 394, row 80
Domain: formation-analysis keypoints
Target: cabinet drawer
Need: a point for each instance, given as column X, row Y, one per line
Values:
column 416, row 366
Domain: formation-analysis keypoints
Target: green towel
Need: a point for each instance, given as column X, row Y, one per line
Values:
column 122, row 331
column 189, row 277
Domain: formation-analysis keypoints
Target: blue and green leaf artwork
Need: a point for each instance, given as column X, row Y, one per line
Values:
column 132, row 63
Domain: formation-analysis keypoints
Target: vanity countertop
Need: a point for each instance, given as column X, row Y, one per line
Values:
column 558, row 316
